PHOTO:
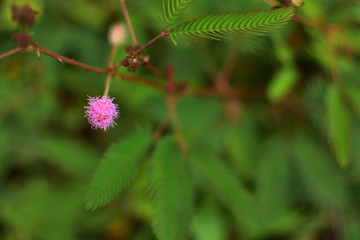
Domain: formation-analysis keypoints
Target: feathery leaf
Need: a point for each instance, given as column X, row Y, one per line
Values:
column 173, row 9
column 227, row 188
column 170, row 193
column 118, row 168
column 231, row 24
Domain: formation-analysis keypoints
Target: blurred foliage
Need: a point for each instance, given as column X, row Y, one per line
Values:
column 280, row 160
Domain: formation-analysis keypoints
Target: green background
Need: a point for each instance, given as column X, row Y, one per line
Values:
column 292, row 137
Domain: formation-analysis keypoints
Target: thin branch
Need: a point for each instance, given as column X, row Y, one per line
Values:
column 68, row 60
column 127, row 18
column 162, row 34
column 4, row 55
column 90, row 68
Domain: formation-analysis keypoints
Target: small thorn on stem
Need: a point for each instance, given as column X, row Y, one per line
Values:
column 38, row 53
column 61, row 60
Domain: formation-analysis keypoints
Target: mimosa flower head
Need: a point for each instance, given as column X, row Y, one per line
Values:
column 101, row 112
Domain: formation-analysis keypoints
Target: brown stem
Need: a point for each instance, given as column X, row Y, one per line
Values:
column 68, row 60
column 162, row 34
column 4, row 55
column 127, row 18
column 90, row 68
column 245, row 92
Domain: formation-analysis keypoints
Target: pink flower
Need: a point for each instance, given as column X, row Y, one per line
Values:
column 102, row 112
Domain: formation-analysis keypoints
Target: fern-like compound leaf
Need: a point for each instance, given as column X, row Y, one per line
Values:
column 173, row 9
column 227, row 187
column 118, row 168
column 170, row 193
column 231, row 24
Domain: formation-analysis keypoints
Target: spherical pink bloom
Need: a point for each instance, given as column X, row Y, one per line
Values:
column 102, row 112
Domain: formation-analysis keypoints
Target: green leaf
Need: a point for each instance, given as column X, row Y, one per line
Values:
column 320, row 177
column 173, row 9
column 284, row 80
column 170, row 191
column 281, row 84
column 227, row 187
column 231, row 24
column 339, row 125
column 118, row 168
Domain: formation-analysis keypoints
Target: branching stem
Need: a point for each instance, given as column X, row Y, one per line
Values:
column 90, row 68
column 244, row 92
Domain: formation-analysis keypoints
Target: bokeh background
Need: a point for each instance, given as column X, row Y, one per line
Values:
column 274, row 136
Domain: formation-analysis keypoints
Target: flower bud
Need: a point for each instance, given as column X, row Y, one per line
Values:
column 23, row 14
column 117, row 34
